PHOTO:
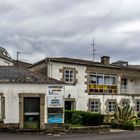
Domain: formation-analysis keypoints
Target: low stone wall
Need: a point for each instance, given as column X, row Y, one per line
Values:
column 9, row 127
column 84, row 129
column 91, row 129
column 57, row 128
column 137, row 127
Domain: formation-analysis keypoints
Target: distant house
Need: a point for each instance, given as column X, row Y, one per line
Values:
column 5, row 58
column 94, row 86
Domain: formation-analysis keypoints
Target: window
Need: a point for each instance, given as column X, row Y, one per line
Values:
column 102, row 79
column 94, row 106
column 96, row 79
column 100, row 83
column 124, row 83
column 69, row 75
column 125, row 102
column 93, row 79
column 4, row 53
column 138, row 106
column 107, row 80
column 111, row 106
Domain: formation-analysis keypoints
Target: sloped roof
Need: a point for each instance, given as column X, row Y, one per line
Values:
column 12, row 74
column 22, row 64
column 66, row 60
column 5, row 55
column 85, row 63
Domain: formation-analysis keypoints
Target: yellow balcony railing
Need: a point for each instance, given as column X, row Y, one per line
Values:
column 93, row 88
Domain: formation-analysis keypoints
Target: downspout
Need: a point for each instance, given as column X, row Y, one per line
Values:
column 50, row 68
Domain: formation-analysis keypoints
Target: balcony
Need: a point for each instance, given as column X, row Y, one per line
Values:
column 113, row 89
column 130, row 90
column 93, row 88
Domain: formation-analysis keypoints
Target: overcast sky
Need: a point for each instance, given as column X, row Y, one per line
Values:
column 50, row 28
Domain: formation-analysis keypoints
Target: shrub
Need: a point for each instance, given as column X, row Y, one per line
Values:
column 92, row 118
column 82, row 117
column 138, row 114
column 128, row 126
column 114, row 125
column 123, row 114
column 76, row 118
column 68, row 116
column 108, row 118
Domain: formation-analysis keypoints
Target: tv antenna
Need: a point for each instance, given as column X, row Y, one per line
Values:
column 94, row 50
column 18, row 53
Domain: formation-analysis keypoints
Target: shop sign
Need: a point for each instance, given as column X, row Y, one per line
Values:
column 55, row 118
column 55, row 90
column 55, row 101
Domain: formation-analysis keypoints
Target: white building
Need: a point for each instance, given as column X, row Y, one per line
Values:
column 5, row 58
column 94, row 86
column 25, row 102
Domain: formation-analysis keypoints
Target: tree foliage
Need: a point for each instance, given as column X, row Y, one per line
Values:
column 123, row 114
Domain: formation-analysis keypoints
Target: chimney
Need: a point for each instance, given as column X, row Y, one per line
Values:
column 105, row 60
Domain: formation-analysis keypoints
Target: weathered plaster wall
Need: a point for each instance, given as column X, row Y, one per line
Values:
column 4, row 62
column 11, row 92
column 76, row 91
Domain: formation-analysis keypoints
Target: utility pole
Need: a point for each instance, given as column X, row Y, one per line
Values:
column 18, row 56
column 94, row 50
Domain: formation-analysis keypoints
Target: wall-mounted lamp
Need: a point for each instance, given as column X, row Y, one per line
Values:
column 69, row 95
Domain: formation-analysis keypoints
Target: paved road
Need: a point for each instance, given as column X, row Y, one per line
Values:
column 129, row 135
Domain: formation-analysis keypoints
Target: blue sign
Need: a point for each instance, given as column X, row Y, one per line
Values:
column 55, row 118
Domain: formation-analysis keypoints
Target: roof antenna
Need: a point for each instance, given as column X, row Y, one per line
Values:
column 94, row 50
column 18, row 53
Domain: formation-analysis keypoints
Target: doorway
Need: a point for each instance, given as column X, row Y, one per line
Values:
column 31, row 112
column 69, row 104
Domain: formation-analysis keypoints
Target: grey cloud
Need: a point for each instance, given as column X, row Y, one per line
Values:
column 65, row 28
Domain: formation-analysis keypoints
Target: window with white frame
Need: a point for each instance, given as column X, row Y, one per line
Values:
column 101, row 83
column 111, row 106
column 138, row 106
column 69, row 75
column 102, row 79
column 124, row 83
column 94, row 106
column 125, row 102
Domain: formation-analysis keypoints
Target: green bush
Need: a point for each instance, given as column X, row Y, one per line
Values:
column 114, row 125
column 85, row 118
column 108, row 119
column 92, row 119
column 128, row 126
column 138, row 114
column 76, row 118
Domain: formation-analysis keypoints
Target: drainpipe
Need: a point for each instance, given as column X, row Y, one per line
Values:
column 50, row 68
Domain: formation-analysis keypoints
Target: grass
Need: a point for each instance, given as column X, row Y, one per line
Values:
column 75, row 125
column 137, row 122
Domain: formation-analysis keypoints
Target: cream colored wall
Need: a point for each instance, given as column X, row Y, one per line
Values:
column 11, row 92
column 76, row 91
column 4, row 62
